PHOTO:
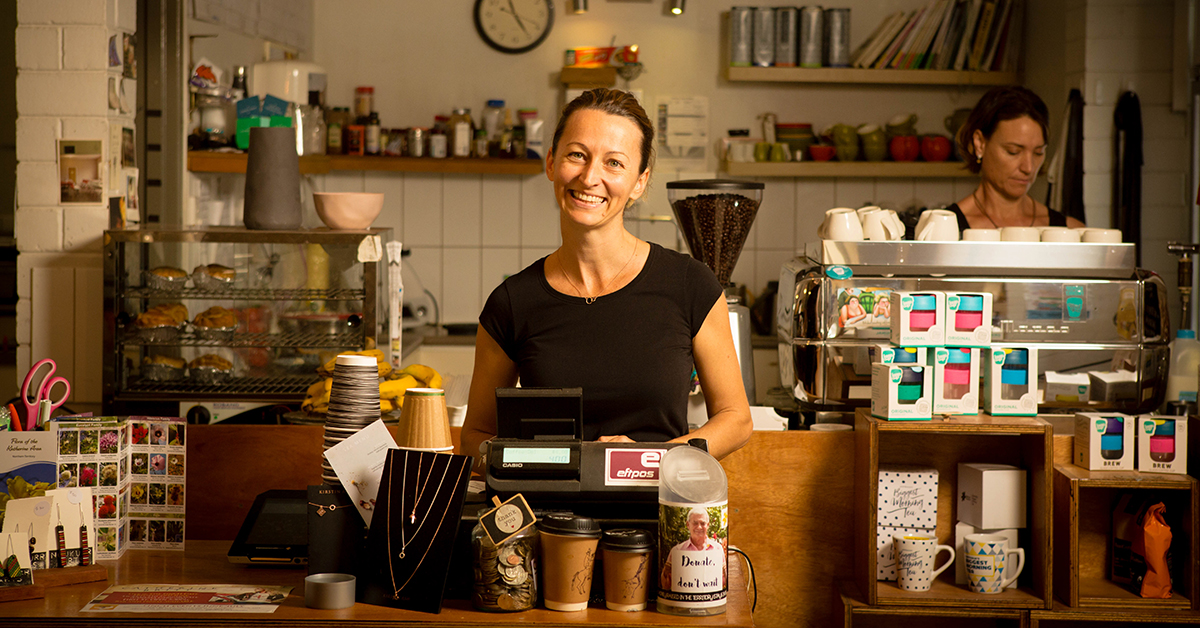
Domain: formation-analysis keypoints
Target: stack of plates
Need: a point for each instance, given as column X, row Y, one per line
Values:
column 353, row 403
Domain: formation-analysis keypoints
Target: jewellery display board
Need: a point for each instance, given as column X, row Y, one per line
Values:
column 337, row 534
column 413, row 530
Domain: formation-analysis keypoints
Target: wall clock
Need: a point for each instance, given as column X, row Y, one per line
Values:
column 514, row 26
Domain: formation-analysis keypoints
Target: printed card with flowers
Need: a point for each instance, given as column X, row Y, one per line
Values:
column 93, row 453
column 156, row 531
column 158, row 488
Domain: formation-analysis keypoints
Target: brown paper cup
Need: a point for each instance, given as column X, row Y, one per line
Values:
column 625, row 578
column 424, row 424
column 567, row 577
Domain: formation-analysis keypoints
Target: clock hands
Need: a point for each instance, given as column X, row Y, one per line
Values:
column 512, row 10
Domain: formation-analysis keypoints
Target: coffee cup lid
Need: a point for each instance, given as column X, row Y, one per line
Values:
column 568, row 525
column 627, row 540
column 959, row 355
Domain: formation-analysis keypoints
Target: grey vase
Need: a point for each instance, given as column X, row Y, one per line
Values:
column 272, row 180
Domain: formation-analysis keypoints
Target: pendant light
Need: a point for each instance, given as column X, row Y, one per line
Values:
column 579, row 7
column 677, row 7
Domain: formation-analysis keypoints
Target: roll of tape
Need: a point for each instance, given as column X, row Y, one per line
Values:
column 329, row 591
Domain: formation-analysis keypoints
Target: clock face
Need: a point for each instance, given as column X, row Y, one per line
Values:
column 514, row 26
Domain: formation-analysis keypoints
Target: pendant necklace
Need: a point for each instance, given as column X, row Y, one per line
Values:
column 412, row 517
column 391, row 566
column 403, row 481
column 979, row 204
column 321, row 508
column 590, row 300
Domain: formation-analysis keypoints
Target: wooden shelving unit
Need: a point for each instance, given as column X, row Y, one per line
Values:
column 852, row 611
column 942, row 443
column 912, row 169
column 205, row 161
column 1083, row 504
column 872, row 77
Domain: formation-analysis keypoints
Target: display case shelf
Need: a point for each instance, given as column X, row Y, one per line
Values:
column 871, row 76
column 942, row 443
column 285, row 387
column 247, row 294
column 304, row 340
column 1083, row 505
column 235, row 163
column 859, row 169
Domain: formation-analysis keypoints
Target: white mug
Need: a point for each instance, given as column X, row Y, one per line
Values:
column 1060, row 234
column 1020, row 234
column 986, row 559
column 841, row 223
column 916, row 555
column 882, row 225
column 1108, row 236
column 937, row 225
column 981, row 235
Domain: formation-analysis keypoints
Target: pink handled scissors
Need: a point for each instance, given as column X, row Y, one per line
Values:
column 42, row 392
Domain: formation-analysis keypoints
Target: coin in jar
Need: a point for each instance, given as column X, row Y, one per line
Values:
column 515, row 576
column 506, row 602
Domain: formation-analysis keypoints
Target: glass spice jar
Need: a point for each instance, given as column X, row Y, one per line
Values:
column 505, row 574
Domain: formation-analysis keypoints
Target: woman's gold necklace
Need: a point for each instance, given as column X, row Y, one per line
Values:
column 590, row 300
column 391, row 566
column 979, row 204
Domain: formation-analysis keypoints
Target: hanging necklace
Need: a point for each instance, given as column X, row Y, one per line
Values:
column 403, row 481
column 391, row 566
column 979, row 205
column 412, row 517
column 590, row 300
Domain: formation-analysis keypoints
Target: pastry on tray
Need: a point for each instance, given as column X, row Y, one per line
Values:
column 216, row 316
column 211, row 360
column 213, row 277
column 210, row 369
column 165, row 360
column 162, row 322
column 165, row 278
column 162, row 368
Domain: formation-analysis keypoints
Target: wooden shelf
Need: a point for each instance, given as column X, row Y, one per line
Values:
column 943, row 593
column 204, row 161
column 876, row 77
column 898, row 169
column 1125, row 616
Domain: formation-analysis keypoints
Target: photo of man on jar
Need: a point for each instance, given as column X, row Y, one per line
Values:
column 699, row 550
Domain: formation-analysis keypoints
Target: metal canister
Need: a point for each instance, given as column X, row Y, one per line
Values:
column 416, row 142
column 741, row 36
column 812, row 33
column 785, row 36
column 837, row 38
column 764, row 36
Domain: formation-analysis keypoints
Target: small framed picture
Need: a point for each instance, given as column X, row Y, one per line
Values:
column 131, row 191
column 114, row 53
column 129, row 69
column 128, row 150
column 81, row 171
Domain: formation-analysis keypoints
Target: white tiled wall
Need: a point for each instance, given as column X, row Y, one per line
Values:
column 62, row 93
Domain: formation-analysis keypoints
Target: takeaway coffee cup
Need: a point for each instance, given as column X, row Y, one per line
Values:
column 627, row 557
column 1020, row 234
column 939, row 225
column 989, row 569
column 981, row 235
column 568, row 557
column 841, row 223
column 915, row 558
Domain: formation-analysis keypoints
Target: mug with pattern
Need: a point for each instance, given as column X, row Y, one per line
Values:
column 988, row 568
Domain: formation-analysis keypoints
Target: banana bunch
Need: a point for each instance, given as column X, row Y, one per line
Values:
column 391, row 388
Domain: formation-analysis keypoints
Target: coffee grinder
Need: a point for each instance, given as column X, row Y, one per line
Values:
column 715, row 217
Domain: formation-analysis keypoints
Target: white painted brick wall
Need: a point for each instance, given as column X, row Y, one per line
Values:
column 36, row 137
column 61, row 11
column 62, row 93
column 85, row 48
column 85, row 129
column 39, row 48
column 127, row 15
column 83, row 228
column 39, row 230
column 37, row 184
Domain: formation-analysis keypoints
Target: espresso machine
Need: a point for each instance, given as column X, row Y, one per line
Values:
column 1086, row 307
column 715, row 217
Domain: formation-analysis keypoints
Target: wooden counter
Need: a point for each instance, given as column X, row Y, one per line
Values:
column 204, row 562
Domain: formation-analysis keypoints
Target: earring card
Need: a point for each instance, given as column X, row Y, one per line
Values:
column 16, row 570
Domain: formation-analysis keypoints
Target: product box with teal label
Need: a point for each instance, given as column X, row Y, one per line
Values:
column 968, row 319
column 1162, row 443
column 918, row 319
column 956, row 380
column 900, row 392
column 890, row 354
column 1104, row 441
column 1010, row 381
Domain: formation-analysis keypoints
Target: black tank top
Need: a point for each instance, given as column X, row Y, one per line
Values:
column 1057, row 219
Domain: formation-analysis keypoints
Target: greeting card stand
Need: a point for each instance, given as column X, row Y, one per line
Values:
column 413, row 529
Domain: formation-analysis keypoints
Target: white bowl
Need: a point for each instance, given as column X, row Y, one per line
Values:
column 348, row 210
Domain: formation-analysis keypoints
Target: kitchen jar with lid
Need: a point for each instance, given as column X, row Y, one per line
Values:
column 373, row 146
column 493, row 118
column 364, row 102
column 505, row 575
column 461, row 133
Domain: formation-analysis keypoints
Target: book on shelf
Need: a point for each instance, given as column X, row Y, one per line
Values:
column 867, row 43
column 987, row 15
column 904, row 54
column 939, row 40
column 944, row 57
column 893, row 25
column 893, row 49
column 968, row 35
column 999, row 30
column 1010, row 57
column 925, row 39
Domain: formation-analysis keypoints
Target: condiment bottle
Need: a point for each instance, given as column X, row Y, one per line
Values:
column 480, row 149
column 333, row 138
column 504, row 146
column 522, row 139
column 364, row 103
column 460, row 133
column 493, row 118
column 372, row 141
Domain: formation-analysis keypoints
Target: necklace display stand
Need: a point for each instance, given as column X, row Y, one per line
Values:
column 412, row 532
column 337, row 534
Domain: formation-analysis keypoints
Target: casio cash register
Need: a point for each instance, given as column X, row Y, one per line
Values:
column 539, row 452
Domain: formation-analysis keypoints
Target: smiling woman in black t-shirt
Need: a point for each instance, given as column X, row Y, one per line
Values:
column 624, row 319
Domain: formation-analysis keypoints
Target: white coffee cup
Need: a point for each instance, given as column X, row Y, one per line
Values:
column 938, row 225
column 1060, row 234
column 1020, row 234
column 981, row 235
column 882, row 225
column 916, row 555
column 841, row 223
column 986, row 560
column 1108, row 236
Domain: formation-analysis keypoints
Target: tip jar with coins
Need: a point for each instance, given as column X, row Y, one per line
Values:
column 505, row 574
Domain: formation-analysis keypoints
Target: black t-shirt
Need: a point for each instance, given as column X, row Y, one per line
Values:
column 630, row 351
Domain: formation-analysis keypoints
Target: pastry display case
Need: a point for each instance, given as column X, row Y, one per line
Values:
column 227, row 314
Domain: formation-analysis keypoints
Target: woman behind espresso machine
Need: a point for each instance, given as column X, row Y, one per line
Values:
column 622, row 318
